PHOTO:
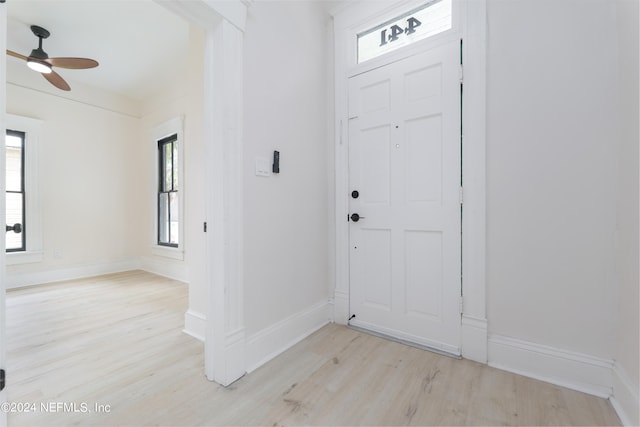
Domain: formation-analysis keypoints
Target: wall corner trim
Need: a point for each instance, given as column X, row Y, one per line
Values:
column 166, row 267
column 340, row 307
column 625, row 399
column 233, row 358
column 474, row 338
column 195, row 324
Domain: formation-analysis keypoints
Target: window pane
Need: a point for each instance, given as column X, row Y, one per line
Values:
column 175, row 218
column 168, row 167
column 14, row 163
column 163, row 218
column 14, row 216
column 168, row 202
column 14, row 141
column 432, row 18
column 175, row 166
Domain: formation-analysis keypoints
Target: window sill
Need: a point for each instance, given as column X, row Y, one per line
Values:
column 168, row 252
column 14, row 258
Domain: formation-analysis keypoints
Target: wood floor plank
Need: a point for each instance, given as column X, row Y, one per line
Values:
column 116, row 341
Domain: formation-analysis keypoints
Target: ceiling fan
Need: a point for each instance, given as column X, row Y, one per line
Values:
column 40, row 61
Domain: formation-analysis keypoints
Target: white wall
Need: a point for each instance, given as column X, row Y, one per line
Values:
column 285, row 216
column 195, row 182
column 85, row 171
column 562, row 194
column 184, row 100
column 626, row 374
column 167, row 106
column 551, row 181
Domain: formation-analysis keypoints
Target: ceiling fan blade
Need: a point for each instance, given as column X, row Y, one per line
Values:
column 55, row 79
column 16, row 55
column 73, row 63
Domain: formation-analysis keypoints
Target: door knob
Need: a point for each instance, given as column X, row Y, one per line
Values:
column 17, row 228
column 356, row 217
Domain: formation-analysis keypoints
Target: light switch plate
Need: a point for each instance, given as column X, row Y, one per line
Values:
column 263, row 166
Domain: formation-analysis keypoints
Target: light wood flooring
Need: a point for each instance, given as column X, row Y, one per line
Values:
column 115, row 343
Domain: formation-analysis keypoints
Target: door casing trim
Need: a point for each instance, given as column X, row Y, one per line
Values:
column 470, row 26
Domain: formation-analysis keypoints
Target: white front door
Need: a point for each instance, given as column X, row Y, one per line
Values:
column 404, row 164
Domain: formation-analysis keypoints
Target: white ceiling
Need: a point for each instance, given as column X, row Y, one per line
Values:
column 141, row 46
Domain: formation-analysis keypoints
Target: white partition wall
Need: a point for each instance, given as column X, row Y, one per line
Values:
column 223, row 23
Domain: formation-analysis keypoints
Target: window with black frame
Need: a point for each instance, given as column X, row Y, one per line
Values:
column 168, row 202
column 15, row 191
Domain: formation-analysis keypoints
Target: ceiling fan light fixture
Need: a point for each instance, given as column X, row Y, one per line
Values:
column 39, row 61
column 39, row 66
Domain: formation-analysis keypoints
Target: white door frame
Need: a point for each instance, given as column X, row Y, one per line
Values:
column 470, row 25
column 224, row 24
column 3, row 276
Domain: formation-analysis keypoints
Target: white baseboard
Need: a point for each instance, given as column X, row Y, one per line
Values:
column 341, row 307
column 625, row 399
column 274, row 340
column 167, row 267
column 474, row 338
column 29, row 278
column 234, row 358
column 576, row 371
column 195, row 324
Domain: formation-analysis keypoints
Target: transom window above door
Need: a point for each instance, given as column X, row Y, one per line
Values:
column 418, row 24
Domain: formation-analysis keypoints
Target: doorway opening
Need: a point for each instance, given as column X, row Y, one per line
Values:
column 468, row 23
